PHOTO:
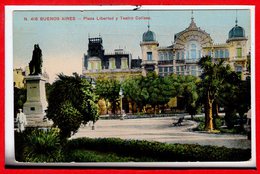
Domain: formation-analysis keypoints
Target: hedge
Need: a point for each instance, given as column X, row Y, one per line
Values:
column 159, row 151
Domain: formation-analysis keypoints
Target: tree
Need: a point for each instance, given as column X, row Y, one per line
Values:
column 213, row 76
column 108, row 89
column 71, row 102
column 132, row 91
column 235, row 98
column 19, row 99
column 191, row 95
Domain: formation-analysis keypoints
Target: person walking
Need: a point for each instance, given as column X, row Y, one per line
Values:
column 21, row 121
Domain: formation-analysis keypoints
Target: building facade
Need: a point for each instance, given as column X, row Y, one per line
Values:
column 181, row 57
column 20, row 73
column 189, row 46
column 119, row 64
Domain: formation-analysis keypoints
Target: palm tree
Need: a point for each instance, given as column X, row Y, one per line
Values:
column 213, row 77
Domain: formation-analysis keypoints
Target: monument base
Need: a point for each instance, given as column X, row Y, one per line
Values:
column 36, row 103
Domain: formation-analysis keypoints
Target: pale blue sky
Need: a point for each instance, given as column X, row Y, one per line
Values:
column 64, row 43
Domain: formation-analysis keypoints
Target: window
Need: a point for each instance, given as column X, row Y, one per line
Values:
column 216, row 54
column 99, row 65
column 164, row 71
column 187, row 54
column 170, row 56
column 182, row 55
column 221, row 54
column 193, row 51
column 178, row 55
column 112, row 63
column 199, row 53
column 124, row 63
column 166, row 56
column 193, row 70
column 238, row 68
column 160, row 56
column 226, row 53
column 91, row 65
column 239, row 52
column 149, row 56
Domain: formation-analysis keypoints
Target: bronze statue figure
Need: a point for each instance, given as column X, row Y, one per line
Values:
column 35, row 64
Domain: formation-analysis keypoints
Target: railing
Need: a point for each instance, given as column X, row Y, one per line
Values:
column 165, row 62
column 180, row 61
column 111, row 70
column 192, row 60
column 149, row 62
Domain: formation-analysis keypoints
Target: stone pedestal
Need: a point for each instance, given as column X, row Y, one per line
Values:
column 36, row 103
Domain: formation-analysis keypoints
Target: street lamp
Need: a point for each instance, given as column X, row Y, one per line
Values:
column 93, row 83
column 121, row 100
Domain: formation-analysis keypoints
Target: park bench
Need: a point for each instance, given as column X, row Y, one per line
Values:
column 178, row 123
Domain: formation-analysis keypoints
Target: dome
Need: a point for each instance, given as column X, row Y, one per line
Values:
column 236, row 32
column 149, row 36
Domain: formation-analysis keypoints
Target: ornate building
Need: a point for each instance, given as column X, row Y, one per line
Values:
column 188, row 47
column 118, row 64
column 181, row 57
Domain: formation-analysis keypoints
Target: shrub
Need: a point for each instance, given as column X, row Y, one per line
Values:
column 94, row 156
column 159, row 151
column 42, row 146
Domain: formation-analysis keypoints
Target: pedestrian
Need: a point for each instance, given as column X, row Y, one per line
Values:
column 21, row 121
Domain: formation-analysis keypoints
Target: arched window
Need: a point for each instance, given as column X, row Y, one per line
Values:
column 193, row 51
column 239, row 52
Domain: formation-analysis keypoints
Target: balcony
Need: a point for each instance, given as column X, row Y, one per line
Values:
column 191, row 60
column 149, row 62
column 165, row 62
column 180, row 61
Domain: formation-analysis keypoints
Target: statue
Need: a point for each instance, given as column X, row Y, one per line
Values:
column 35, row 64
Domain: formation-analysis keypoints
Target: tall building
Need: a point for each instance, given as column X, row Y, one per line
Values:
column 188, row 47
column 118, row 64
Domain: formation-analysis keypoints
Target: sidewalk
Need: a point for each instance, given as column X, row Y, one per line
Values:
column 161, row 129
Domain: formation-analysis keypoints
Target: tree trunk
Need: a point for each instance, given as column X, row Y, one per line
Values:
column 215, row 113
column 208, row 115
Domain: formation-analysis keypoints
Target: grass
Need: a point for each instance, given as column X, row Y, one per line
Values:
column 218, row 129
column 80, row 155
column 119, row 150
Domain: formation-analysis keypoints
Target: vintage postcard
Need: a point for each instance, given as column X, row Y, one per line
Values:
column 130, row 86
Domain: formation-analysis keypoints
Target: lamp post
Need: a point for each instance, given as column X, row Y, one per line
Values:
column 93, row 84
column 121, row 98
column 121, row 101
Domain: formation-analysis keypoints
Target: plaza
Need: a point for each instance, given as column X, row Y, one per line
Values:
column 161, row 129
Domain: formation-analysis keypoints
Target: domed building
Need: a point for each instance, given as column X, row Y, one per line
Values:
column 188, row 47
column 236, row 32
column 149, row 36
column 149, row 47
column 237, row 45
